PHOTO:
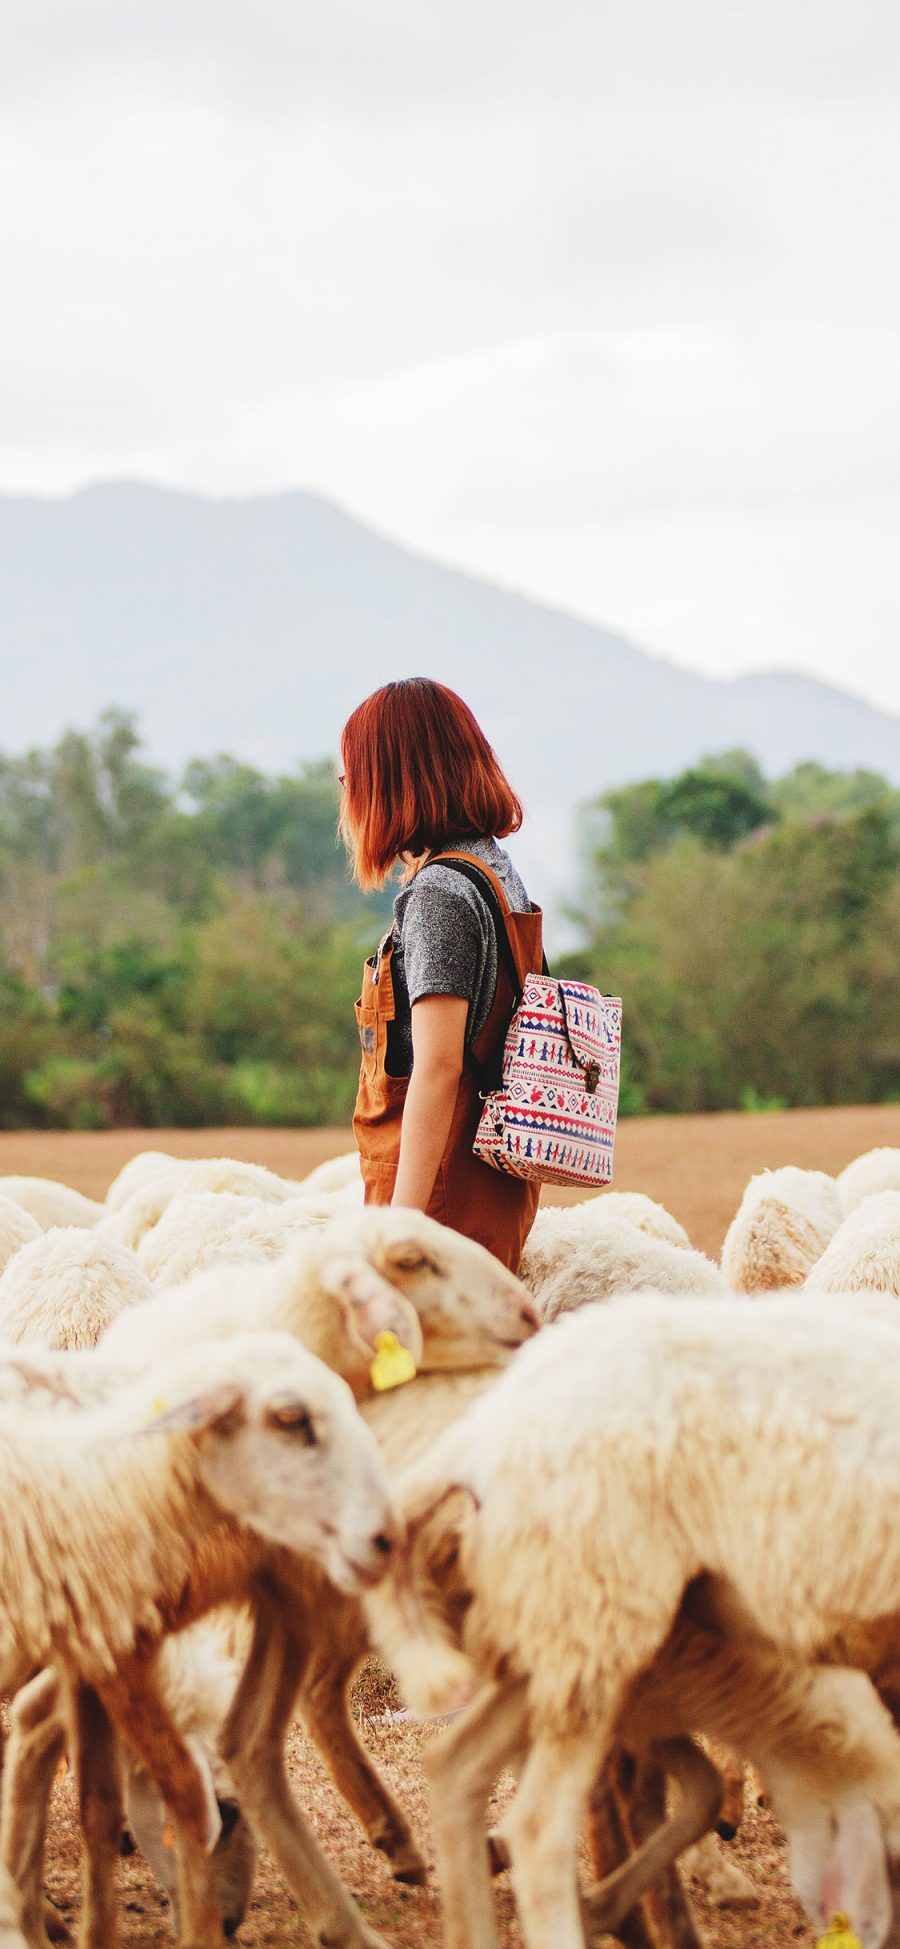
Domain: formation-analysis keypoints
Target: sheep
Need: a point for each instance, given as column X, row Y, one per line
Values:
column 138, row 1171
column 103, row 1543
column 203, row 1228
column 875, row 1170
column 656, row 1450
column 782, row 1226
column 51, row 1203
column 621, row 1259
column 198, row 1673
column 467, row 1310
column 66, row 1287
column 336, row 1174
column 560, row 1230
column 146, row 1203
column 17, row 1228
column 864, row 1254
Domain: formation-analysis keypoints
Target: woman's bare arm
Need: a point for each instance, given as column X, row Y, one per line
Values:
column 439, row 1052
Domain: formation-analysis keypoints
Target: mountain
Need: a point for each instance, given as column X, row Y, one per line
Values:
column 255, row 626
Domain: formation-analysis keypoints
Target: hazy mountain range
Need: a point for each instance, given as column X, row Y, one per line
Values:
column 254, row 626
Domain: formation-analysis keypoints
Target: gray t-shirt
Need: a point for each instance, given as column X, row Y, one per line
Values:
column 445, row 944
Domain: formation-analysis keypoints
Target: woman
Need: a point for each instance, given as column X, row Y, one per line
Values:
column 421, row 781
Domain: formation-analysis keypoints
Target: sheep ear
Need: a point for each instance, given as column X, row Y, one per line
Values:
column 377, row 1307
column 219, row 1407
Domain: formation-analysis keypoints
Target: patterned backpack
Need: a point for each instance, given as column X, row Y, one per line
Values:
column 550, row 1104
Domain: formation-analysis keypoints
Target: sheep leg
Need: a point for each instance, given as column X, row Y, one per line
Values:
column 701, row 1786
column 36, row 1745
column 11, row 1936
column 252, row 1746
column 610, row 1846
column 542, row 1828
column 142, row 1716
column 666, row 1901
column 323, row 1704
column 462, row 1766
column 100, row 1808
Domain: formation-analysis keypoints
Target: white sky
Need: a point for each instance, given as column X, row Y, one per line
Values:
column 600, row 299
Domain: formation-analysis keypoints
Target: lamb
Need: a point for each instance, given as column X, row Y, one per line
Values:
column 17, row 1228
column 864, row 1254
column 51, row 1203
column 875, row 1170
column 621, row 1259
column 259, row 1431
column 782, row 1226
column 664, row 1451
column 66, row 1287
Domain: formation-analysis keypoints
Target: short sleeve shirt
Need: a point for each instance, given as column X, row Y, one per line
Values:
column 444, row 943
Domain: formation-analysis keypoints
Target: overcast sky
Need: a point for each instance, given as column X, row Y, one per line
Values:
column 602, row 300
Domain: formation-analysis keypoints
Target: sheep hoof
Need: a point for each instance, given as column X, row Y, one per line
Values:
column 55, row 1924
column 412, row 1873
column 726, row 1830
column 498, row 1852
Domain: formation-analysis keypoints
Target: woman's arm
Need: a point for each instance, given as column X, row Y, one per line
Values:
column 439, row 1052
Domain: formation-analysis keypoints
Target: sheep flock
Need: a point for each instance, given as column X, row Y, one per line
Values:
column 626, row 1524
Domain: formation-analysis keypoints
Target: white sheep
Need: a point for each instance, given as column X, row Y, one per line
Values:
column 875, row 1170
column 145, row 1205
column 51, row 1203
column 560, row 1230
column 628, row 1452
column 620, row 1259
column 66, row 1287
column 864, row 1254
column 17, row 1228
column 203, row 1228
column 336, row 1174
column 782, row 1226
column 138, row 1171
column 104, row 1535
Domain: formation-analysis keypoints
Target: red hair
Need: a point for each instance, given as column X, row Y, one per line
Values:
column 420, row 775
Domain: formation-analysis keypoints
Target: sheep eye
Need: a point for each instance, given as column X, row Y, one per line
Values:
column 411, row 1258
column 292, row 1417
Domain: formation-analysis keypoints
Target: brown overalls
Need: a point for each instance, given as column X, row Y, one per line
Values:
column 485, row 1204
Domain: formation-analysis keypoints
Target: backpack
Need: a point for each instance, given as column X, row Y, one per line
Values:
column 551, row 1095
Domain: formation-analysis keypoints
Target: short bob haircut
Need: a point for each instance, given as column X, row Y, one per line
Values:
column 420, row 775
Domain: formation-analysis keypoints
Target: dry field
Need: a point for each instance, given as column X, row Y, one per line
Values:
column 697, row 1166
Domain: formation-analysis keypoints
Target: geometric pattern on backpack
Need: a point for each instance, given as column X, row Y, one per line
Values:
column 554, row 1115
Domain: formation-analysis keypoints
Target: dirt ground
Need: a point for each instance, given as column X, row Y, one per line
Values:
column 697, row 1167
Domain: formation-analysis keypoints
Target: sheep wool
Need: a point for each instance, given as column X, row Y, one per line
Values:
column 621, row 1259
column 782, row 1226
column 51, row 1203
column 17, row 1228
column 864, row 1254
column 875, row 1170
column 66, row 1287
column 561, row 1230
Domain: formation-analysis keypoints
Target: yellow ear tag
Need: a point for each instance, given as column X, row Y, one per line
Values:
column 393, row 1364
column 159, row 1407
column 839, row 1934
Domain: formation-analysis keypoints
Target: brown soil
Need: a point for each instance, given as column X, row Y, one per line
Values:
column 697, row 1167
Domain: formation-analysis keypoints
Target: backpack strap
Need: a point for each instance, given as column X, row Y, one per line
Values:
column 495, row 898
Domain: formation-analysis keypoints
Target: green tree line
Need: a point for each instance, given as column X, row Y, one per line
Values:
column 753, row 930
column 187, row 951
